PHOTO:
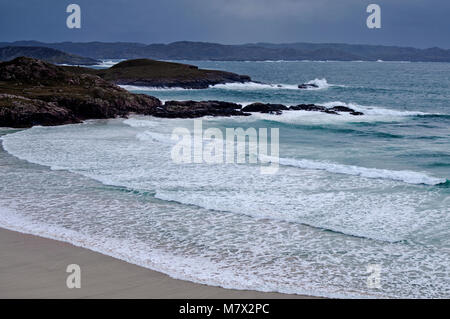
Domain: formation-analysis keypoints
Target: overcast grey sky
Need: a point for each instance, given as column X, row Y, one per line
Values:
column 418, row 23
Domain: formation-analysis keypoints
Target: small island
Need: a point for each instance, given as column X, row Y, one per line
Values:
column 153, row 73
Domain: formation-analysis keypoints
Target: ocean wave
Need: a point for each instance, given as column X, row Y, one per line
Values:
column 405, row 176
column 373, row 110
column 107, row 63
column 321, row 84
column 151, row 88
column 140, row 123
column 194, row 268
column 245, row 86
column 254, row 86
column 154, row 136
column 371, row 114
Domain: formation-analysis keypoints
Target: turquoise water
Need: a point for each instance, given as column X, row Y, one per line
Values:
column 350, row 191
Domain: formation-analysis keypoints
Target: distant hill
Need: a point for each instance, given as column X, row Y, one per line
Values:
column 47, row 54
column 186, row 50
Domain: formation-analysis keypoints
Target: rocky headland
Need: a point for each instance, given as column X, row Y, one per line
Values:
column 34, row 92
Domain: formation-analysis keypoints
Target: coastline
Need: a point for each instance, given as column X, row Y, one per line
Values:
column 35, row 267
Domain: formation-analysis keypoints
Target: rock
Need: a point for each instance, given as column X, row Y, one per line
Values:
column 39, row 93
column 265, row 108
column 194, row 109
column 21, row 112
column 320, row 108
column 345, row 109
column 308, row 86
column 308, row 107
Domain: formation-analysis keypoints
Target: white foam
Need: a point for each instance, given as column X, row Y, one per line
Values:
column 373, row 110
column 251, row 86
column 108, row 63
column 371, row 114
column 133, row 122
column 245, row 86
column 151, row 88
column 320, row 83
column 198, row 269
column 406, row 176
column 154, row 136
column 223, row 247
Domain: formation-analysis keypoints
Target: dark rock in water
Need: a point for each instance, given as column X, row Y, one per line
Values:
column 35, row 92
column 194, row 109
column 308, row 86
column 340, row 108
column 308, row 107
column 320, row 108
column 265, row 108
column 345, row 109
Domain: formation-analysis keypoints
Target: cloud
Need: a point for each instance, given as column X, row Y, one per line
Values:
column 271, row 9
column 404, row 22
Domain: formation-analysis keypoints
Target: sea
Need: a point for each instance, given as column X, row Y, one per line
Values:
column 358, row 208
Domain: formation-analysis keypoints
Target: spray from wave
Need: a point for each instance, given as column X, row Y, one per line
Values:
column 246, row 86
column 320, row 83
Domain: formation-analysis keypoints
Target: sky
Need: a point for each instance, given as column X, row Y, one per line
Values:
column 417, row 23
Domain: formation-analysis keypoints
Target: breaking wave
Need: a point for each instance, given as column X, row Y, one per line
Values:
column 405, row 176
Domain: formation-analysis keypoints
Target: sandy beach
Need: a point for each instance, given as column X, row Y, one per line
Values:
column 35, row 267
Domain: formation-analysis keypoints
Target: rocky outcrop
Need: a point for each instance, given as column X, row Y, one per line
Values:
column 34, row 92
column 145, row 72
column 278, row 108
column 319, row 108
column 345, row 109
column 312, row 108
column 193, row 109
column 265, row 108
column 308, row 86
column 18, row 111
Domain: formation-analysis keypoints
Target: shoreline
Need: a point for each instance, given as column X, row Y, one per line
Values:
column 35, row 267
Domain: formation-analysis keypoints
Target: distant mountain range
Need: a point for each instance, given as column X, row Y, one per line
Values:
column 47, row 54
column 186, row 50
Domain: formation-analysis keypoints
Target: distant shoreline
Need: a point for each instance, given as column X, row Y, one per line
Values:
column 188, row 50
